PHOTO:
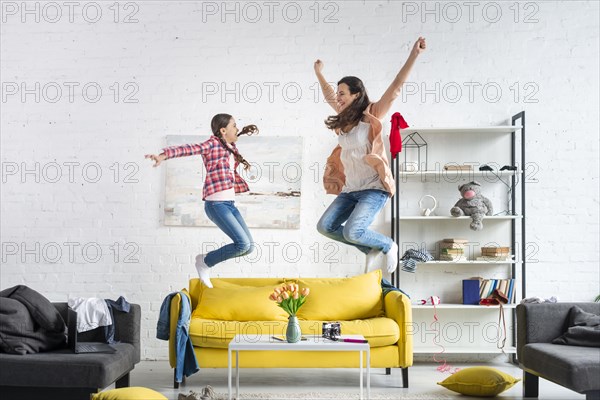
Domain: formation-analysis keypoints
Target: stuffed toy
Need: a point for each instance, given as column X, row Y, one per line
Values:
column 472, row 203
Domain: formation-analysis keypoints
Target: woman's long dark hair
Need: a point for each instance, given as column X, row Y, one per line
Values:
column 354, row 112
column 221, row 121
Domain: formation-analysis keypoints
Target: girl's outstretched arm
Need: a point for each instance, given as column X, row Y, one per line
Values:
column 328, row 91
column 183, row 150
column 381, row 107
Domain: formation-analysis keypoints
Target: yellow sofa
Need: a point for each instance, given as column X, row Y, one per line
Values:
column 241, row 306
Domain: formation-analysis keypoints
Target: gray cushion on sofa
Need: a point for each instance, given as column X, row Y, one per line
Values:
column 62, row 368
column 575, row 367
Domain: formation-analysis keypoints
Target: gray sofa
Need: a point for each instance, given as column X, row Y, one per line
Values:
column 61, row 374
column 574, row 367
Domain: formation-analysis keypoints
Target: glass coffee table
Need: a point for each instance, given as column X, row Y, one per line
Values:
column 313, row 343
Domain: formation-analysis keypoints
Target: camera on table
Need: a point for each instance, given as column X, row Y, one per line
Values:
column 332, row 330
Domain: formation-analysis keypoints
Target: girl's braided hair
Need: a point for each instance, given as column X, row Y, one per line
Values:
column 221, row 121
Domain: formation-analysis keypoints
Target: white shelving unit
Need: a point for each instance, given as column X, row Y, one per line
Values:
column 464, row 329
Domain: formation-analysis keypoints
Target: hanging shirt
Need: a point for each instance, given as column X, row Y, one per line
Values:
column 355, row 146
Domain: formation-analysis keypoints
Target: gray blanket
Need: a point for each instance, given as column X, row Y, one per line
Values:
column 29, row 323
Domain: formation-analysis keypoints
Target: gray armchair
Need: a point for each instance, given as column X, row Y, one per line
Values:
column 574, row 367
column 61, row 374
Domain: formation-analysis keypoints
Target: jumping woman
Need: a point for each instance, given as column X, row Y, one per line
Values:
column 357, row 170
column 221, row 159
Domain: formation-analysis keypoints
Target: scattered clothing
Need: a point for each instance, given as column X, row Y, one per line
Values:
column 92, row 313
column 411, row 257
column 207, row 393
column 120, row 305
column 29, row 322
column 537, row 300
column 186, row 363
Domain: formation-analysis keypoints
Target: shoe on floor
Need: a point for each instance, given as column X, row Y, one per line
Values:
column 392, row 258
column 203, row 270
column 189, row 396
column 208, row 393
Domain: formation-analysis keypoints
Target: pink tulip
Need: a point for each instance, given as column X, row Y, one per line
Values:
column 277, row 290
column 285, row 295
column 279, row 299
column 296, row 295
column 305, row 291
column 273, row 296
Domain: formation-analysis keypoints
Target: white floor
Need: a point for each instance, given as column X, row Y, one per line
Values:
column 422, row 381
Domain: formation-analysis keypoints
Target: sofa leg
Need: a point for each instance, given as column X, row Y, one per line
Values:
column 530, row 385
column 593, row 395
column 405, row 377
column 122, row 381
column 388, row 371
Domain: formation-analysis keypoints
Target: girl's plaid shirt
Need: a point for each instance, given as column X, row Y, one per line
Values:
column 216, row 162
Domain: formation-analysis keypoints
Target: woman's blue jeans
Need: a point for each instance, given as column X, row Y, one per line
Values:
column 227, row 217
column 347, row 220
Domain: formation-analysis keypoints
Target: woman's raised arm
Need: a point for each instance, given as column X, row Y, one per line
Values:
column 328, row 91
column 381, row 107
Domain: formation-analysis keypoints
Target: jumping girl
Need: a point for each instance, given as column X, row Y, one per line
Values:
column 221, row 159
column 357, row 170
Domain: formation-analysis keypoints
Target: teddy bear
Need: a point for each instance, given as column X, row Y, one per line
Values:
column 472, row 203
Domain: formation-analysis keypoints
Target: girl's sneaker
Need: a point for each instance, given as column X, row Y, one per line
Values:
column 203, row 270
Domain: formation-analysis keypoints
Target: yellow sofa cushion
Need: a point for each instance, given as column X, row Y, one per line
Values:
column 479, row 381
column 231, row 302
column 129, row 393
column 205, row 333
column 333, row 299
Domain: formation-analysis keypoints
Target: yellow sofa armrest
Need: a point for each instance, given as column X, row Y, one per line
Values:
column 174, row 316
column 397, row 307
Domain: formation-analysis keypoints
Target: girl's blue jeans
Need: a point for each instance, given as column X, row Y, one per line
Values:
column 347, row 220
column 227, row 217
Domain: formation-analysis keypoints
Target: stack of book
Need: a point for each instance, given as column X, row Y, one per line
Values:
column 452, row 249
column 495, row 254
column 456, row 167
column 506, row 286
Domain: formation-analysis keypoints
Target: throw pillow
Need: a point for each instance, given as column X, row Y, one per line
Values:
column 239, row 303
column 344, row 299
column 479, row 381
column 129, row 393
column 583, row 329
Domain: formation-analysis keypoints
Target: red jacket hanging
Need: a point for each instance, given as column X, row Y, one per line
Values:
column 398, row 123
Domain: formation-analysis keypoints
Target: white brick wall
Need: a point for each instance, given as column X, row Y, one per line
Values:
column 170, row 53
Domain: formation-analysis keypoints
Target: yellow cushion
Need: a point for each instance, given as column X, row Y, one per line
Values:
column 232, row 302
column 331, row 299
column 479, row 381
column 204, row 333
column 130, row 393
